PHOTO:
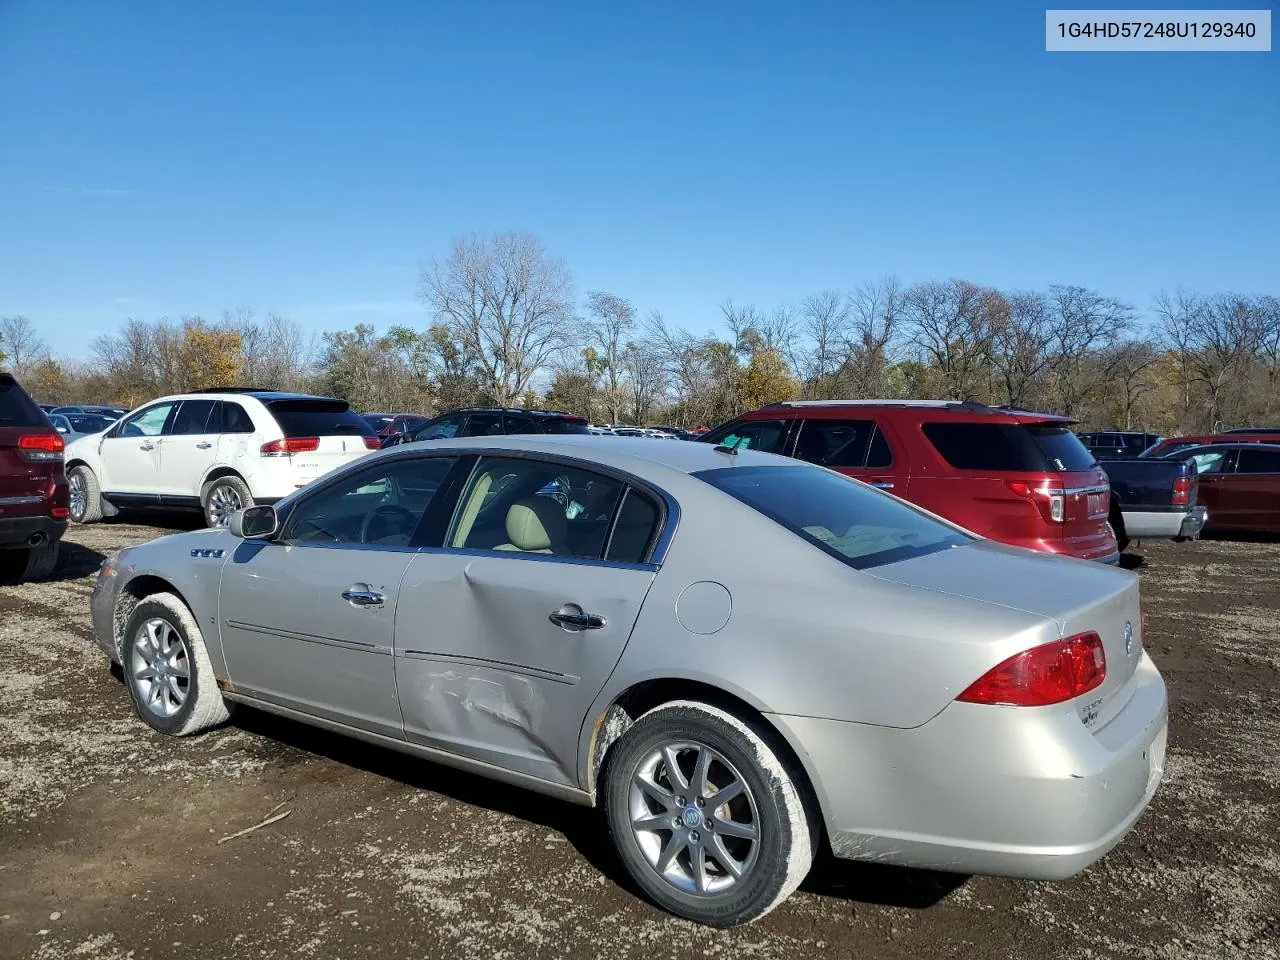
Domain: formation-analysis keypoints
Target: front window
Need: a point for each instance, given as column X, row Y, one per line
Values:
column 766, row 435
column 1009, row 447
column 838, row 515
column 444, row 429
column 380, row 506
column 147, row 423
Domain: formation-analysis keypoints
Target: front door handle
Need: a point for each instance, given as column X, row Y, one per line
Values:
column 882, row 484
column 148, row 445
column 578, row 621
column 203, row 445
column 364, row 598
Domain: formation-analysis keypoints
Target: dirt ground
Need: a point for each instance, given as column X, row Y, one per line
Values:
column 109, row 834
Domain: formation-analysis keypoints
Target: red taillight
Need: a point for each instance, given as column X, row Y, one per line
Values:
column 290, row 445
column 59, row 513
column 1043, row 675
column 1182, row 490
column 373, row 443
column 41, row 446
column 1050, row 500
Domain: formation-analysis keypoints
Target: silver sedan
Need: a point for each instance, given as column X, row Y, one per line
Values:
column 738, row 656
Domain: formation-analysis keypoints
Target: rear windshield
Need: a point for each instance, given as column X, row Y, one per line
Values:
column 318, row 418
column 16, row 408
column 1011, row 447
column 377, row 421
column 836, row 514
column 562, row 425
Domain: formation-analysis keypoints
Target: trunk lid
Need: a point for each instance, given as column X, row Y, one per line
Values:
column 1080, row 596
column 339, row 433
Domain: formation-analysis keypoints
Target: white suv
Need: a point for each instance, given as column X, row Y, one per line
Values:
column 216, row 450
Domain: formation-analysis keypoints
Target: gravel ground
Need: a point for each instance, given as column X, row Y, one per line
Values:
column 109, row 833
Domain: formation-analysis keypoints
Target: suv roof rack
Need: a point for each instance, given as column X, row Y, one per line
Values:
column 970, row 406
column 234, row 390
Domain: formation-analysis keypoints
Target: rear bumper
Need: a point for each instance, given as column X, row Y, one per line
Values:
column 1022, row 792
column 1140, row 523
column 18, row 531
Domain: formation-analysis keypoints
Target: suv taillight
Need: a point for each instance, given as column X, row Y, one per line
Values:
column 1044, row 675
column 1050, row 499
column 290, row 445
column 373, row 443
column 41, row 447
column 1182, row 490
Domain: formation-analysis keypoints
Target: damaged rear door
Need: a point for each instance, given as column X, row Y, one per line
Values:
column 502, row 647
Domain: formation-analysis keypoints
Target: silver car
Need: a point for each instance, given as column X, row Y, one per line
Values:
column 738, row 656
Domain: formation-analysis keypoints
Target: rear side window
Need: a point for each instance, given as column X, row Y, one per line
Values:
column 16, row 408
column 637, row 523
column 562, row 425
column 518, row 423
column 1009, row 447
column 836, row 514
column 483, row 425
column 318, row 418
column 234, row 418
column 1258, row 461
column 766, row 435
column 193, row 417
column 834, row 443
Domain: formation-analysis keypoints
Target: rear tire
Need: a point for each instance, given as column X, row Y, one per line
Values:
column 29, row 563
column 167, row 669
column 719, row 863
column 86, row 495
column 1116, row 523
column 222, row 498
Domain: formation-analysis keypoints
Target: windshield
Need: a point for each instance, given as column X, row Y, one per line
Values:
column 838, row 515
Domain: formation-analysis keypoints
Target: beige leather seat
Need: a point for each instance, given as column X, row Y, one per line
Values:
column 535, row 525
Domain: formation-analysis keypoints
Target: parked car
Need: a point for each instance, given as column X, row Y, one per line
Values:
column 1179, row 444
column 115, row 413
column 628, row 432
column 1018, row 477
column 68, row 408
column 214, row 451
column 886, row 683
column 1154, row 498
column 390, row 424
column 33, row 486
column 73, row 426
column 1117, row 444
column 493, row 421
column 1239, row 484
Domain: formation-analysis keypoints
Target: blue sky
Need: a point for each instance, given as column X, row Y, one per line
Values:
column 169, row 158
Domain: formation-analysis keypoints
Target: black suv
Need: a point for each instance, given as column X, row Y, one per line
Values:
column 490, row 422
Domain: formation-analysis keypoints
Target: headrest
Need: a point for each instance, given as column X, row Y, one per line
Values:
column 535, row 523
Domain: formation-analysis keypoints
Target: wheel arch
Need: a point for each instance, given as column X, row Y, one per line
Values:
column 617, row 716
column 133, row 593
column 217, row 473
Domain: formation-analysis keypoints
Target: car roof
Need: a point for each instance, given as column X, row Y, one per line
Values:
column 521, row 410
column 638, row 455
column 945, row 409
column 1216, row 447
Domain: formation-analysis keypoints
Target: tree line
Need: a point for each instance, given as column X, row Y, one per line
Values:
column 505, row 326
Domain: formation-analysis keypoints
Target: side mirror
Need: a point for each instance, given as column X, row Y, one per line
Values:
column 254, row 523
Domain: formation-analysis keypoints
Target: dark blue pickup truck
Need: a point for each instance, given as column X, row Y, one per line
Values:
column 1154, row 498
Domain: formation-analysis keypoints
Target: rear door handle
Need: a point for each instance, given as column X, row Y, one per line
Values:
column 146, row 446
column 882, row 484
column 364, row 598
column 203, row 445
column 578, row 621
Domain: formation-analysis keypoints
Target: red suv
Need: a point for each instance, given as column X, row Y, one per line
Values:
column 33, row 486
column 1009, row 475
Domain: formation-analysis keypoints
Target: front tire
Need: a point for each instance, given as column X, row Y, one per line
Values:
column 167, row 670
column 85, row 495
column 706, row 817
column 222, row 498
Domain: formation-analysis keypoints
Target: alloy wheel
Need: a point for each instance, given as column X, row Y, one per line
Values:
column 694, row 818
column 79, row 497
column 160, row 667
column 223, row 502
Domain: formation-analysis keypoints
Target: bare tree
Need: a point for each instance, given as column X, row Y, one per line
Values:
column 646, row 378
column 875, row 310
column 1020, row 337
column 824, row 331
column 947, row 323
column 506, row 302
column 1128, row 368
column 611, row 320
column 1228, row 331
column 22, row 344
column 1083, row 322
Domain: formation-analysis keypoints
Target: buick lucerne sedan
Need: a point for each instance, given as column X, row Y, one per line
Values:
column 740, row 657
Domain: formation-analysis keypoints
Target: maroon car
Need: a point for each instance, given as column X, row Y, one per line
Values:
column 33, row 486
column 1240, row 484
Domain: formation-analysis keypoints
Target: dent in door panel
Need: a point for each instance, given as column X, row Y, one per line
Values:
column 480, row 707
